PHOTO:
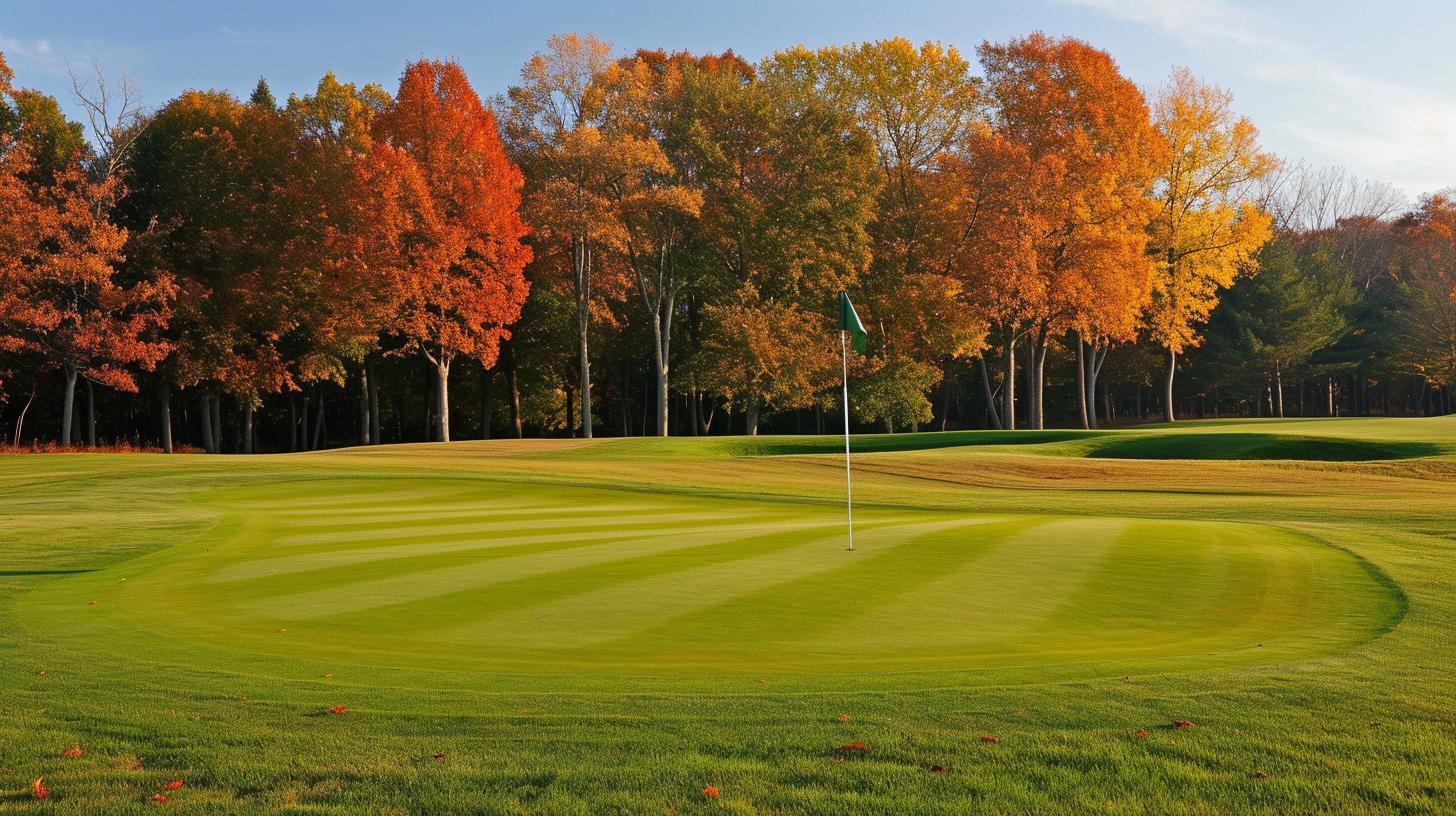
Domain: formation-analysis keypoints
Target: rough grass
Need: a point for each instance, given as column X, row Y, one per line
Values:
column 704, row 627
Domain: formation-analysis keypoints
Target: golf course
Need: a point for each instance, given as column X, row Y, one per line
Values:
column 1209, row 617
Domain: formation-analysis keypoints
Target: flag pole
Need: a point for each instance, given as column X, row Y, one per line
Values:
column 848, row 480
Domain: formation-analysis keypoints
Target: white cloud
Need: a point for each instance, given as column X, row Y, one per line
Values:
column 1395, row 132
column 37, row 55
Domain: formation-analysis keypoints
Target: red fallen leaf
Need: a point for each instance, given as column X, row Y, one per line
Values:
column 1140, row 734
column 1260, row 775
column 174, row 784
column 988, row 739
column 844, row 718
column 1184, row 724
column 159, row 799
column 38, row 788
column 853, row 746
column 439, row 757
column 710, row 792
column 338, row 709
column 939, row 769
column 72, row 752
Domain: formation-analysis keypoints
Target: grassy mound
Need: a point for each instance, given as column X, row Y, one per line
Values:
column 1244, row 446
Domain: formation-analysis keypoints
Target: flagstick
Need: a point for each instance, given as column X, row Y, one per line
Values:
column 848, row 481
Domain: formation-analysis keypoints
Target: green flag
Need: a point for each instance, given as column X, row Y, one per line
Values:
column 849, row 321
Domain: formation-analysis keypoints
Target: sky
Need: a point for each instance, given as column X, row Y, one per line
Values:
column 1370, row 87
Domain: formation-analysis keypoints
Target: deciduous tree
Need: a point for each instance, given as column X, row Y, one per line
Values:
column 1206, row 230
column 459, row 271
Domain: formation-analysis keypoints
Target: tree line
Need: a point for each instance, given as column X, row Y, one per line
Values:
column 653, row 243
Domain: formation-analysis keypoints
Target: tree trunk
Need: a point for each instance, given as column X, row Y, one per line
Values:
column 68, row 404
column 1040, row 352
column 363, row 405
column 1008, row 388
column 248, row 426
column 1168, row 386
column 992, row 417
column 1278, row 391
column 582, row 262
column 944, row 399
column 209, row 442
column 373, row 379
column 216, row 407
column 751, row 417
column 659, row 360
column 318, row 423
column 487, row 376
column 292, row 423
column 1082, row 385
column 1094, row 371
column 569, row 421
column 513, row 385
column 20, row 420
column 1329, row 396
column 695, row 411
column 166, row 417
column 442, row 400
column 90, row 415
column 1028, row 380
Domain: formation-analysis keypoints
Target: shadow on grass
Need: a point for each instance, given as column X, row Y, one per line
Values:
column 17, row 573
column 1245, row 446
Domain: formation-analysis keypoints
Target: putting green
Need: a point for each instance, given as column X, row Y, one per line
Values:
column 463, row 583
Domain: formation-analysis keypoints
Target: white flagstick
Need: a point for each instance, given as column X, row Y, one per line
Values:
column 848, row 481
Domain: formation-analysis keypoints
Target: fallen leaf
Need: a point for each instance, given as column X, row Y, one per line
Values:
column 338, row 709
column 159, row 799
column 988, row 739
column 174, row 784
column 839, row 760
column 91, row 603
column 1260, row 775
column 38, row 788
column 939, row 769
column 72, row 752
column 710, row 792
column 853, row 746
column 1141, row 734
column 42, row 673
column 439, row 757
column 1184, row 724
column 844, row 718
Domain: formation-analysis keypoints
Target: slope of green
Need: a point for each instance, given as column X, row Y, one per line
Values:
column 609, row 626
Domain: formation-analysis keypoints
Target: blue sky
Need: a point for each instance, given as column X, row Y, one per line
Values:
column 1368, row 86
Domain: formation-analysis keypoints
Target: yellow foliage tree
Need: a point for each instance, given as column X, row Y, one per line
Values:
column 1205, row 232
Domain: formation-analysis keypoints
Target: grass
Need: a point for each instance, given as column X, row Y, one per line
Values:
column 611, row 626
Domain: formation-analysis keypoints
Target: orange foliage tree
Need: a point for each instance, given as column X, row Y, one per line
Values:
column 59, row 293
column 458, row 261
column 1086, row 130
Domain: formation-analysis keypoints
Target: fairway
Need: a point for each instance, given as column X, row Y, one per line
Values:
column 477, row 584
column 568, row 626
